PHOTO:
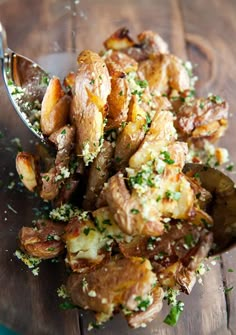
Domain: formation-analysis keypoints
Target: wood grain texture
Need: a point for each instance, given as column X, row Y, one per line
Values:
column 201, row 31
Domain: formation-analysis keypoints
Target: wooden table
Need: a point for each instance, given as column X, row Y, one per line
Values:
column 202, row 31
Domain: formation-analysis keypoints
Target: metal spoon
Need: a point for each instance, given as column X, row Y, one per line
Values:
column 222, row 207
column 26, row 84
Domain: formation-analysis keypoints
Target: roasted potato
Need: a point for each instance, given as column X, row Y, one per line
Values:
column 88, row 109
column 55, row 108
column 98, row 175
column 203, row 119
column 119, row 282
column 119, row 98
column 119, row 40
column 43, row 241
column 149, row 43
column 126, row 63
column 26, row 167
column 164, row 72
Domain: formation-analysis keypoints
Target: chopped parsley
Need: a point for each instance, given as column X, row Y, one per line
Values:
column 87, row 230
column 201, row 105
column 143, row 304
column 107, row 222
column 67, row 305
column 98, row 226
column 92, row 82
column 142, row 83
column 172, row 195
column 50, row 237
column 172, row 318
column 230, row 270
column 230, row 167
column 121, row 93
column 134, row 211
column 189, row 240
column 176, row 309
column 166, row 157
column 228, row 289
column 216, row 98
column 51, row 249
column 45, row 80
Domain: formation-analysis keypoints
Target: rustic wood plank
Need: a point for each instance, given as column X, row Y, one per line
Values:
column 209, row 32
column 28, row 304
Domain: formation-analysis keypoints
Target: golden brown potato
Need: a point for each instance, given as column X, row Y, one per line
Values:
column 119, row 98
column 119, row 282
column 126, row 63
column 202, row 119
column 69, row 80
column 87, row 242
column 129, row 211
column 44, row 241
column 164, row 72
column 119, row 40
column 88, row 109
column 161, row 132
column 26, row 167
column 98, row 175
column 55, row 108
column 131, row 136
column 149, row 44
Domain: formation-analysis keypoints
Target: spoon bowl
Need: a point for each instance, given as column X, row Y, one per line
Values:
column 222, row 207
column 26, row 83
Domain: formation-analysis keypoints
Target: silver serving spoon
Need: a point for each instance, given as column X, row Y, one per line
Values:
column 26, row 84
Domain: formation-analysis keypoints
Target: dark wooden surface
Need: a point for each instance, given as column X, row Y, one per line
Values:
column 202, row 31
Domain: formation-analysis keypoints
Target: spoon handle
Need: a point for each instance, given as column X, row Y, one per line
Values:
column 3, row 41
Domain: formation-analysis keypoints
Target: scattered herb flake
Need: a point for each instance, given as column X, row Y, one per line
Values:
column 228, row 289
column 166, row 157
column 134, row 211
column 174, row 314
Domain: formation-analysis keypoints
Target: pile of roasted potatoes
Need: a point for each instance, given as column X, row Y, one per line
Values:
column 133, row 227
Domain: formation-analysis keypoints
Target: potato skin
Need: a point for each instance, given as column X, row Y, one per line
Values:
column 98, row 175
column 202, row 119
column 119, row 98
column 55, row 108
column 26, row 167
column 88, row 108
column 44, row 242
column 117, row 282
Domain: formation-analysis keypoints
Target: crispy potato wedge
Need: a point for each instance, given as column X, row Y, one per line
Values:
column 119, row 98
column 26, row 167
column 44, row 241
column 88, row 109
column 116, row 283
column 131, row 136
column 55, row 107
column 98, row 175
